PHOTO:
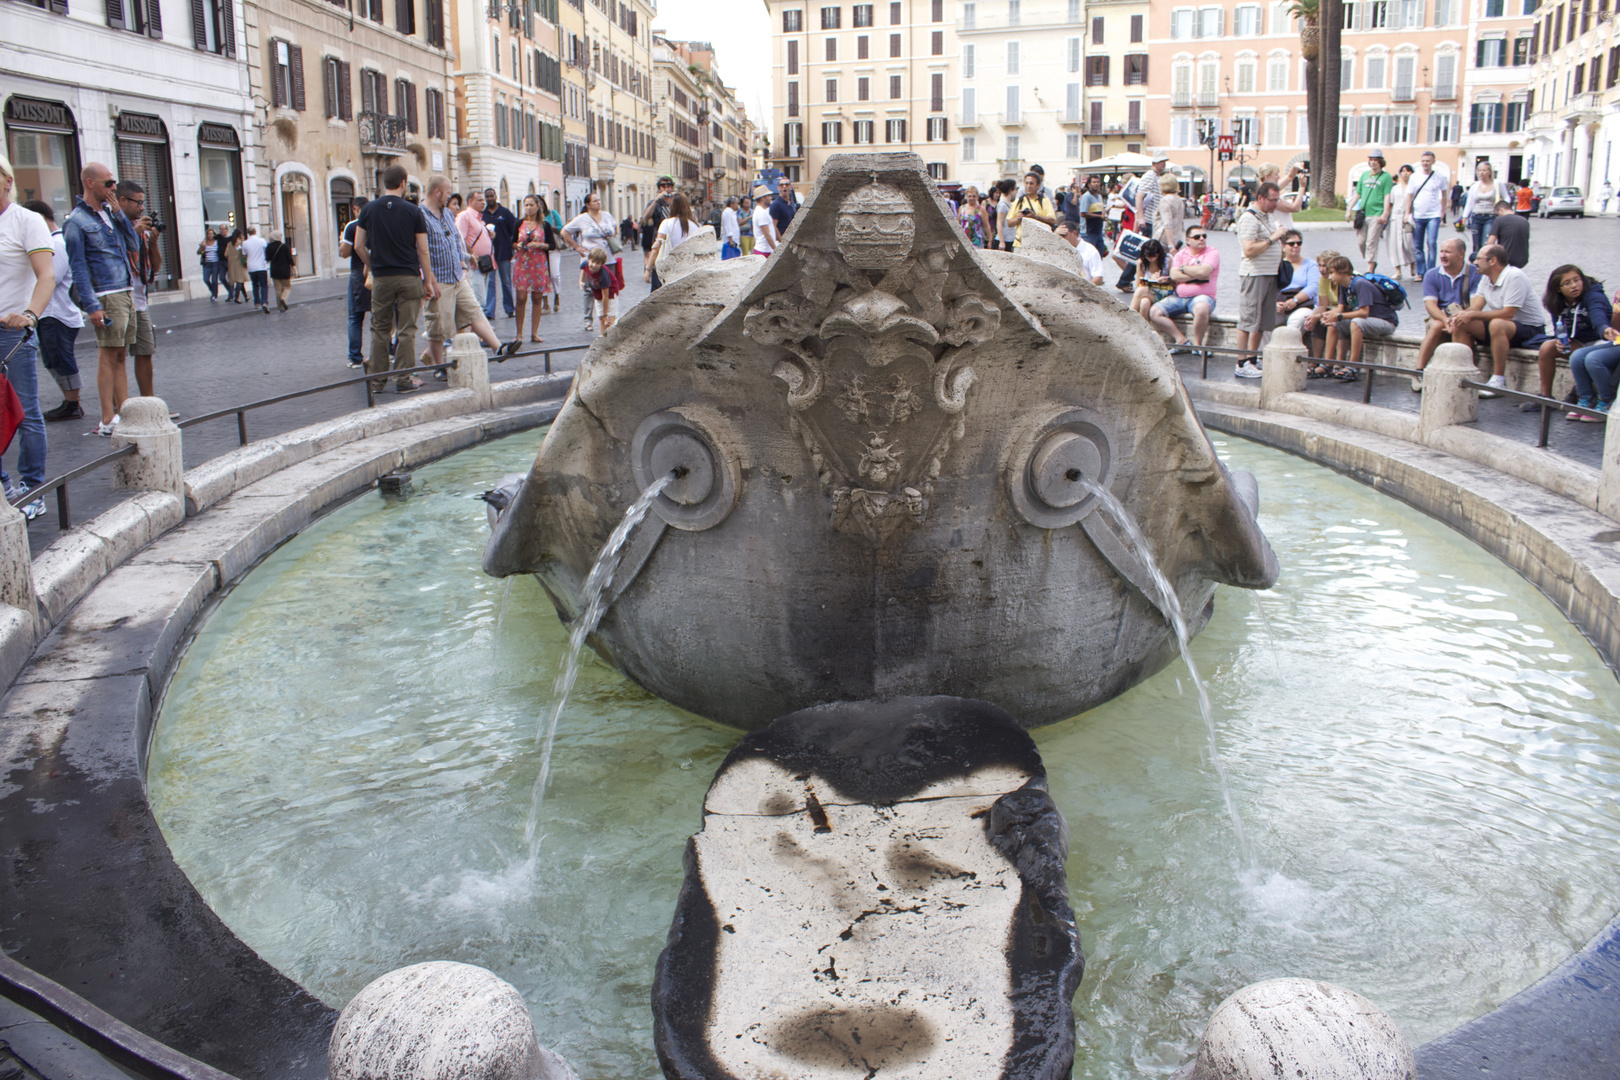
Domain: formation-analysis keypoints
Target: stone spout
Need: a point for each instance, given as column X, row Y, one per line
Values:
column 888, row 434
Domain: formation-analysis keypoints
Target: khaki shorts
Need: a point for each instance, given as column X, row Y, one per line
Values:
column 119, row 333
column 145, row 338
column 456, row 307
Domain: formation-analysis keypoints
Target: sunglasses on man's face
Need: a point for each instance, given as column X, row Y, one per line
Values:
column 1195, row 236
column 109, row 183
column 1291, row 243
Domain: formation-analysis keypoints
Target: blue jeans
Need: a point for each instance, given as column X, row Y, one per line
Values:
column 261, row 287
column 359, row 308
column 1096, row 240
column 508, row 298
column 56, row 340
column 211, row 276
column 1477, row 224
column 24, row 375
column 1594, row 368
column 1426, row 243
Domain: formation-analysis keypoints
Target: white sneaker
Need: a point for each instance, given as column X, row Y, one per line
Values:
column 1497, row 381
column 104, row 429
column 34, row 509
column 1417, row 384
column 1247, row 370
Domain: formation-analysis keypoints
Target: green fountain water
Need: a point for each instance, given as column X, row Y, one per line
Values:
column 1425, row 752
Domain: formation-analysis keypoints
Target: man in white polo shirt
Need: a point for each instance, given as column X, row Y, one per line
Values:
column 1505, row 311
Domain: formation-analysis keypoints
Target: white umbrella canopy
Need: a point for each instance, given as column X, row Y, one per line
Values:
column 1117, row 163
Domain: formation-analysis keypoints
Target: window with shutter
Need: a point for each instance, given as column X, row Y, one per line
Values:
column 154, row 19
column 405, row 16
column 345, row 98
column 1071, row 108
column 434, row 13
column 1133, row 117
column 1095, row 120
column 297, row 70
column 936, row 97
column 1073, row 52
column 329, row 86
column 410, row 104
column 278, row 85
column 115, row 14
column 227, row 25
column 199, row 26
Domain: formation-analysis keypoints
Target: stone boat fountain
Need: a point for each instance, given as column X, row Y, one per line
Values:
column 882, row 460
column 881, row 443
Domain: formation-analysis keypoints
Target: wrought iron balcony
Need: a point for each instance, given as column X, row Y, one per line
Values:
column 382, row 134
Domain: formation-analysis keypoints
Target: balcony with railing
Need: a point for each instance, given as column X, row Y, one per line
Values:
column 1444, row 92
column 1181, row 99
column 1403, row 92
column 381, row 134
column 1208, row 99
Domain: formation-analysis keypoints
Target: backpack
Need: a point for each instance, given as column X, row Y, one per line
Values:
column 1394, row 295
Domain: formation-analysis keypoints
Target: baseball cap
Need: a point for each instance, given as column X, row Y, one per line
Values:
column 1160, row 157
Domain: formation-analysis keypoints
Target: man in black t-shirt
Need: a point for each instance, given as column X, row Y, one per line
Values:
column 391, row 239
column 784, row 206
column 657, row 213
column 359, row 295
column 1512, row 232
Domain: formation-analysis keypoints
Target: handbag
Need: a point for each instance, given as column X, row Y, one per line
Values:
column 486, row 264
column 1361, row 220
column 614, row 244
column 11, row 410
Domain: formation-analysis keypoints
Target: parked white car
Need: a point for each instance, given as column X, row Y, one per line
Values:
column 1563, row 200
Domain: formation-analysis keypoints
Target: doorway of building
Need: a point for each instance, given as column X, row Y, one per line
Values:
column 342, row 192
column 297, row 223
column 1515, row 169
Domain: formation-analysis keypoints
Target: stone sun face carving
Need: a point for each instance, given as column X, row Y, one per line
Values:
column 879, row 435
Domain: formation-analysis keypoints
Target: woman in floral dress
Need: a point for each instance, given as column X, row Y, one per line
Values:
column 531, row 273
column 975, row 219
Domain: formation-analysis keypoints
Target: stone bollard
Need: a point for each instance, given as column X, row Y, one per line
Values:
column 1608, row 499
column 156, row 464
column 439, row 1021
column 1301, row 1027
column 1446, row 400
column 472, row 368
column 16, row 562
column 1280, row 372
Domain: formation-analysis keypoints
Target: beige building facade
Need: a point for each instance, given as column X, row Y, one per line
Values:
column 1237, row 69
column 341, row 94
column 863, row 76
column 703, row 131
column 618, row 78
column 508, row 77
column 1574, row 101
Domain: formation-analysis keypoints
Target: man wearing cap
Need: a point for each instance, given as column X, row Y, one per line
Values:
column 765, row 235
column 657, row 212
column 1042, row 190
column 1369, row 211
column 1144, row 199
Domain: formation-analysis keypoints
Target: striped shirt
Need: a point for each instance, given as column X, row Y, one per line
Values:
column 446, row 251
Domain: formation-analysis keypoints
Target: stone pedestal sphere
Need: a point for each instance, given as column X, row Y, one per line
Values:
column 1301, row 1028
column 440, row 1021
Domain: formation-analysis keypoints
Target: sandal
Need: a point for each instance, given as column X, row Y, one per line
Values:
column 1317, row 372
column 1344, row 374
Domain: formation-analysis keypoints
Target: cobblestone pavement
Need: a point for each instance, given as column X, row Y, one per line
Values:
column 213, row 355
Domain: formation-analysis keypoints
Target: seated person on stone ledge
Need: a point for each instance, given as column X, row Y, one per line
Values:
column 1153, row 281
column 1302, row 290
column 1091, row 265
column 1448, row 289
column 1349, row 326
column 1505, row 311
column 1195, row 270
column 1580, row 313
column 1308, row 321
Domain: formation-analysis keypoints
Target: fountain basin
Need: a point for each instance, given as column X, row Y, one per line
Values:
column 630, row 798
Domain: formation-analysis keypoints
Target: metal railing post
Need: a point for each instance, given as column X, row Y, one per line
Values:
column 241, row 427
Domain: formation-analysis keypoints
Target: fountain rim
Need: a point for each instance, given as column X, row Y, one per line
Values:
column 1421, row 481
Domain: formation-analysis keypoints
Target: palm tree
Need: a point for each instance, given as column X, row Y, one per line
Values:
column 1310, row 47
column 1325, row 167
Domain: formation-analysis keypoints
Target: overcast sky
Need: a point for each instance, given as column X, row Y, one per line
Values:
column 741, row 36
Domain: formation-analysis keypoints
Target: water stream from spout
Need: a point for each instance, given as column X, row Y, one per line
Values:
column 593, row 605
column 1170, row 605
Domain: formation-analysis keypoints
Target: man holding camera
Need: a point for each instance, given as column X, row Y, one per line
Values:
column 146, row 263
column 99, row 241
